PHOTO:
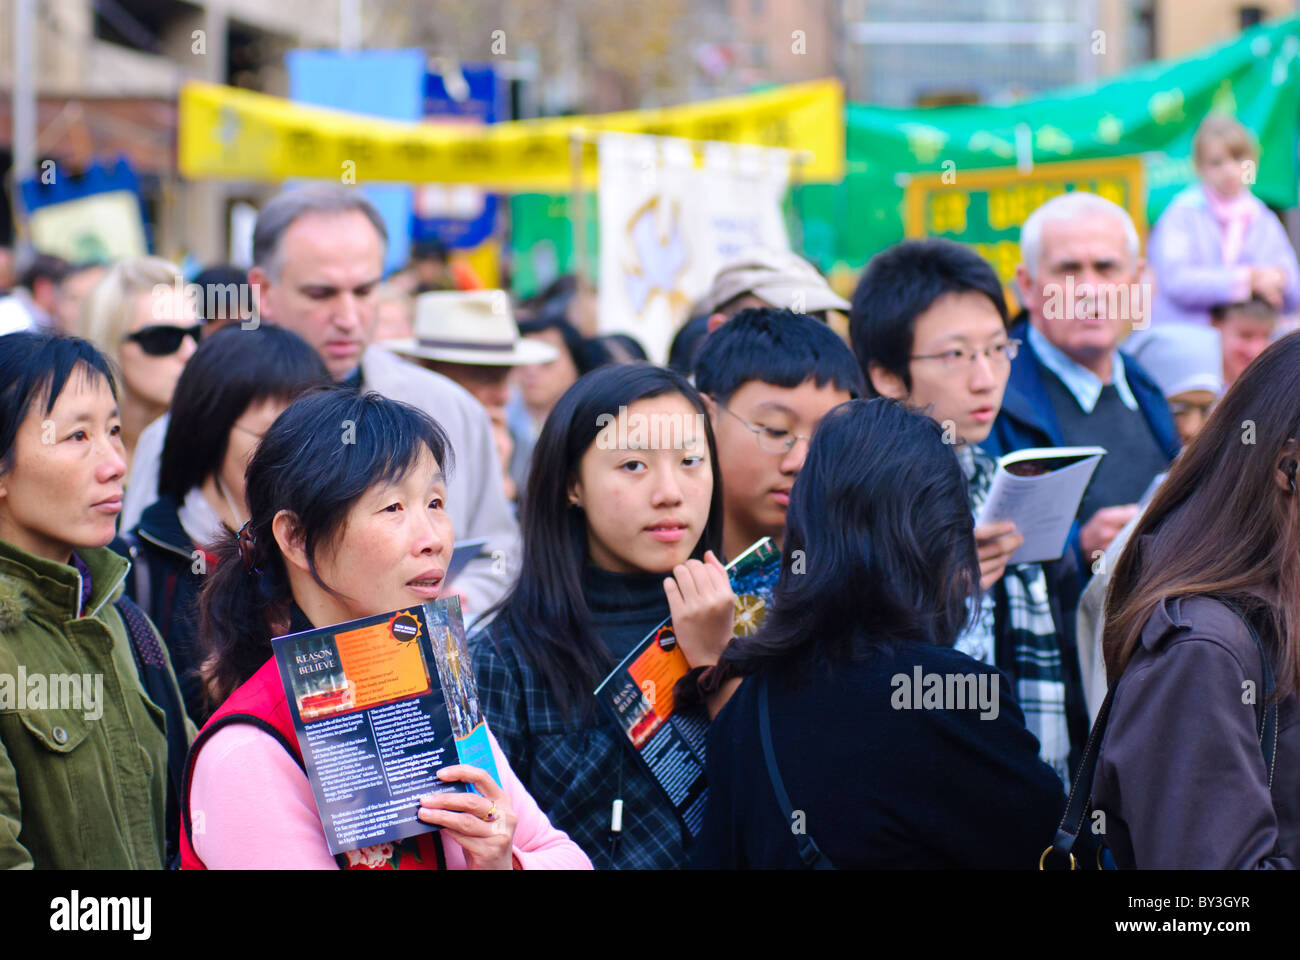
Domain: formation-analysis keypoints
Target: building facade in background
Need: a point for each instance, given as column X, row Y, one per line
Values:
column 109, row 70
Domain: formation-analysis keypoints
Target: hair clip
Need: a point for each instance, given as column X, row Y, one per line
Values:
column 247, row 543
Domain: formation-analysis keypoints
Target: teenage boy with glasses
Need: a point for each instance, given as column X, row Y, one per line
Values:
column 768, row 377
column 929, row 328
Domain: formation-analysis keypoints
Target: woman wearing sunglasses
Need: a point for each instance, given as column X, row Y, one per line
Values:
column 138, row 315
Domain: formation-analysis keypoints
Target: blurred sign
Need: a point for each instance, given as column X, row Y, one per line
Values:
column 380, row 83
column 100, row 228
column 458, row 215
column 985, row 208
column 95, row 217
column 1151, row 110
column 667, row 224
column 225, row 133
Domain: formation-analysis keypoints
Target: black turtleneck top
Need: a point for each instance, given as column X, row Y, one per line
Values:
column 576, row 766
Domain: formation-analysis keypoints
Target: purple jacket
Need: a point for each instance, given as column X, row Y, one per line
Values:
column 1181, row 775
column 1187, row 255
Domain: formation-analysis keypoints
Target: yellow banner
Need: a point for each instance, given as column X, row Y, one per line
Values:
column 231, row 134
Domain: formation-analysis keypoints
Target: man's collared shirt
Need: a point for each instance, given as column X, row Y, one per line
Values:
column 352, row 381
column 1084, row 385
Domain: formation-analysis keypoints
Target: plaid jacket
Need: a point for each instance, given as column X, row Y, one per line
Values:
column 573, row 767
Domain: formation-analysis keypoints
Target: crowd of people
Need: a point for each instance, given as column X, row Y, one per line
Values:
column 183, row 478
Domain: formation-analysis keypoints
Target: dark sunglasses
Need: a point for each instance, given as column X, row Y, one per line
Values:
column 164, row 339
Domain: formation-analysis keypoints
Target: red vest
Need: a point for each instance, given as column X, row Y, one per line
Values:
column 260, row 700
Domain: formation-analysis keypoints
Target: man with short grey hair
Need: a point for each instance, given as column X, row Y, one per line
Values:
column 318, row 259
column 1070, row 385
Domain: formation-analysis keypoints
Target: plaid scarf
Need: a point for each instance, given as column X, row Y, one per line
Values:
column 1036, row 654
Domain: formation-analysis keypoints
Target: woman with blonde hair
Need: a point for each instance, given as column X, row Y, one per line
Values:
column 139, row 315
column 1216, row 243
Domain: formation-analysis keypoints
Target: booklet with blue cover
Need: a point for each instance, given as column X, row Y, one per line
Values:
column 639, row 693
column 380, row 705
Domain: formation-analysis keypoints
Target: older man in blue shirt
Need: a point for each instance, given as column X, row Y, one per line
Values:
column 1070, row 385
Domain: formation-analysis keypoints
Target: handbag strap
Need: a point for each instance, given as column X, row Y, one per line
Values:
column 1268, row 729
column 809, row 852
column 1076, row 809
column 156, row 680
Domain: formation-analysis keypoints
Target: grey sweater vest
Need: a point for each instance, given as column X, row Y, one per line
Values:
column 1133, row 455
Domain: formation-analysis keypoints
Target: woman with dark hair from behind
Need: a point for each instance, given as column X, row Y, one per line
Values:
column 618, row 534
column 895, row 750
column 83, row 781
column 686, row 343
column 233, row 388
column 1182, row 774
column 346, row 496
column 622, row 347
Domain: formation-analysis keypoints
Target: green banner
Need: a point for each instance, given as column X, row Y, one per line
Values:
column 1150, row 112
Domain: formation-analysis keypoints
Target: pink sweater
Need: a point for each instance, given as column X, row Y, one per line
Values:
column 252, row 808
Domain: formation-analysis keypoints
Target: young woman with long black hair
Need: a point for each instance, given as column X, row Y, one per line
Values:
column 894, row 749
column 1203, row 616
column 346, row 497
column 622, row 521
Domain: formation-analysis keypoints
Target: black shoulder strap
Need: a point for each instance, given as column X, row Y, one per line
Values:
column 157, row 681
column 1268, row 725
column 809, row 852
column 1076, row 810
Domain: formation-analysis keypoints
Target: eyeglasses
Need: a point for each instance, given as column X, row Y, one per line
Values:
column 958, row 359
column 164, row 339
column 770, row 439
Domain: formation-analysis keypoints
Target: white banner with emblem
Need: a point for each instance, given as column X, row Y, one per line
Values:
column 671, row 213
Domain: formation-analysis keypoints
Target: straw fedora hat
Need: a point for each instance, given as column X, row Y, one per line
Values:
column 470, row 326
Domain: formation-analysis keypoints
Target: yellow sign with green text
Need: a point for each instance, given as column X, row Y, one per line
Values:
column 985, row 208
column 232, row 134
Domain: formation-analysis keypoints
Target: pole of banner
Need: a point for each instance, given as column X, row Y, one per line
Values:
column 1024, row 148
column 797, row 160
column 24, row 108
column 578, row 203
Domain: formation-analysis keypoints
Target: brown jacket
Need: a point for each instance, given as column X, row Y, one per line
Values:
column 1181, row 777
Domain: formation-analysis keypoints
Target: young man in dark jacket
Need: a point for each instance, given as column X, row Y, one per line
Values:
column 928, row 326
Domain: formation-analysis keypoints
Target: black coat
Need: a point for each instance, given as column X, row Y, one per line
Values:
column 879, row 786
